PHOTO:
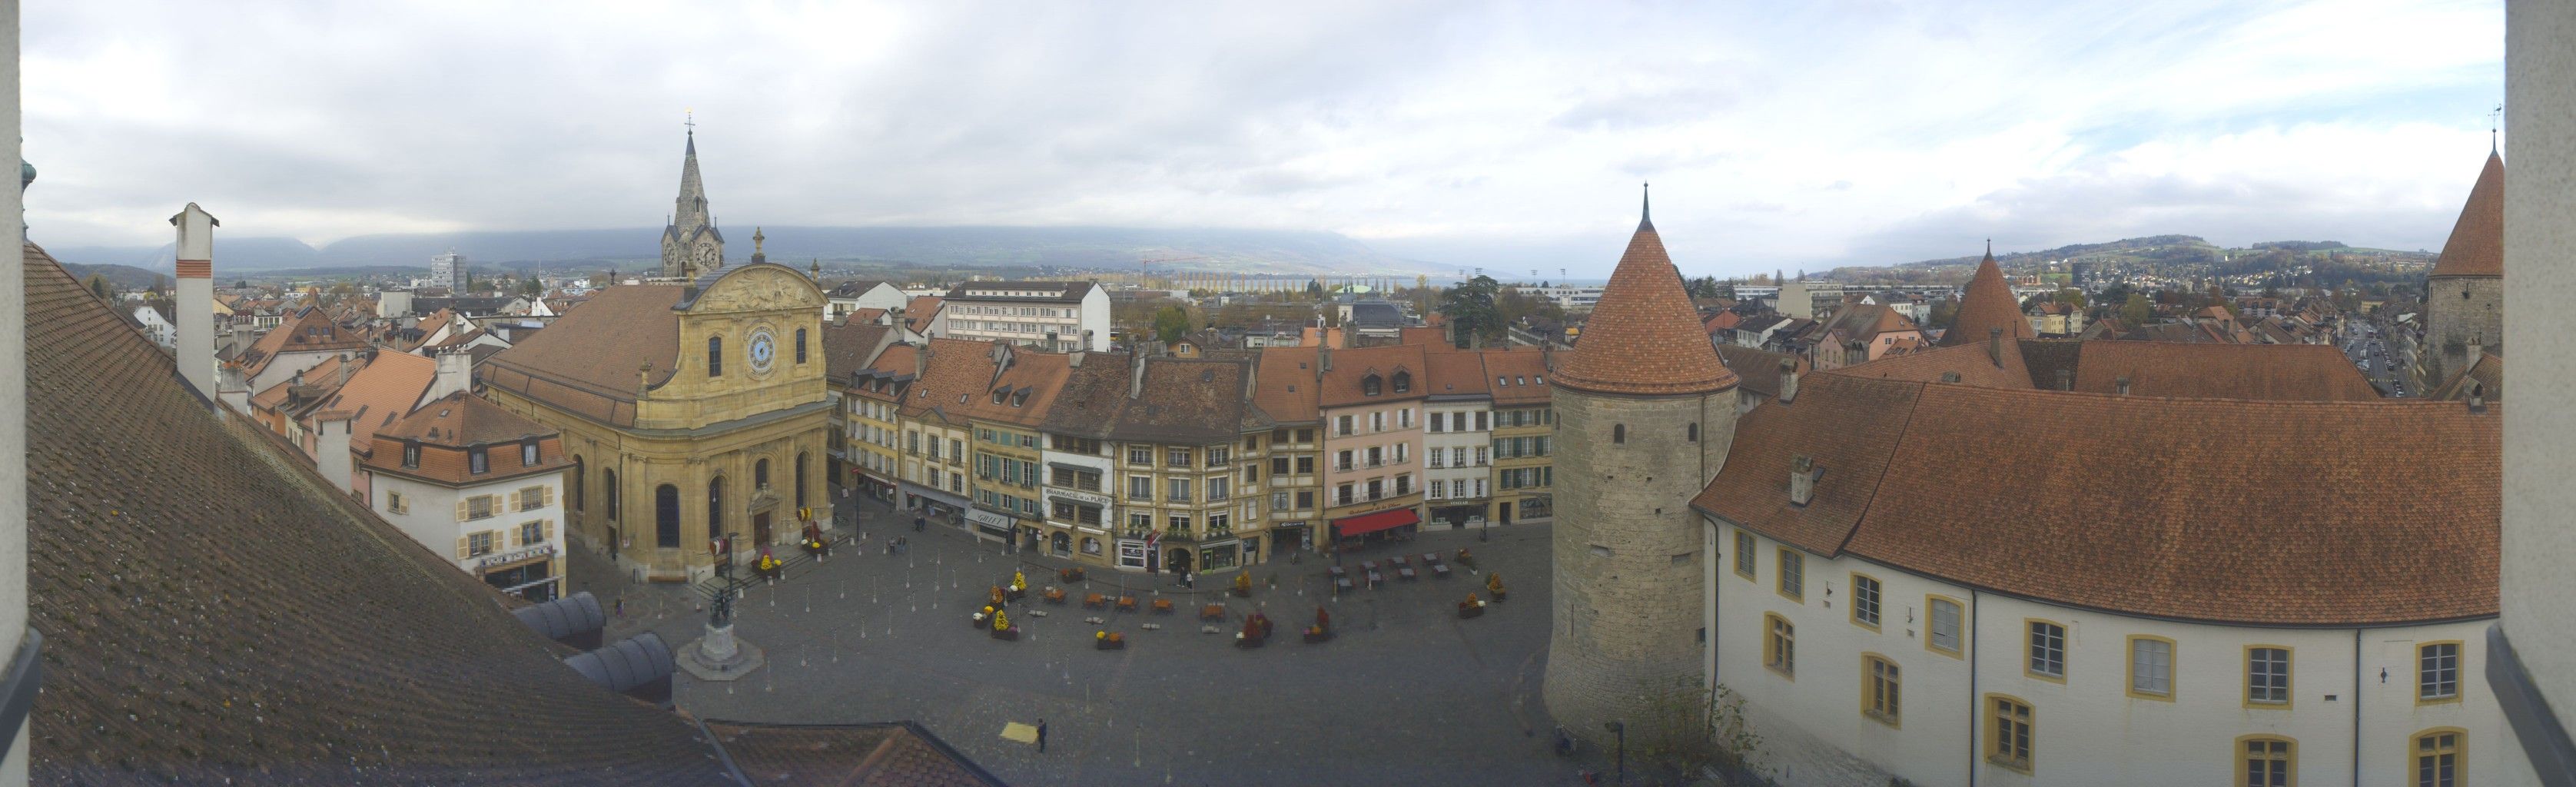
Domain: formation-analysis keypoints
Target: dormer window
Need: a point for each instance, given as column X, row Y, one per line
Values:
column 478, row 460
column 411, row 454
column 528, row 453
column 998, row 393
column 1370, row 385
column 1020, row 399
column 1403, row 382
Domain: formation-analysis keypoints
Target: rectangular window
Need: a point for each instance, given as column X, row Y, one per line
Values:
column 2047, row 650
column 478, row 460
column 2437, row 759
column 1944, row 635
column 2268, row 762
column 1481, row 461
column 532, row 533
column 1793, row 574
column 1342, row 426
column 1176, row 458
column 1880, row 690
column 480, row 506
column 1180, row 524
column 1745, row 559
column 1305, row 500
column 1342, row 495
column 1140, row 524
column 1278, row 501
column 1436, row 423
column 2008, row 722
column 1220, row 457
column 1480, row 421
column 1180, row 490
column 1305, row 435
column 1305, row 465
column 1780, row 646
column 1377, row 420
column 480, row 543
column 2151, row 664
column 532, row 498
column 2267, row 676
column 394, row 503
column 1865, row 600
column 1435, row 456
column 1279, row 465
column 2437, row 672
column 1140, row 456
column 1140, row 487
column 1217, row 488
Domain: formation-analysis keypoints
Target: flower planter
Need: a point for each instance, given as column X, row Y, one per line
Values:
column 1011, row 634
column 1016, row 594
column 1466, row 610
column 1110, row 643
column 1313, row 636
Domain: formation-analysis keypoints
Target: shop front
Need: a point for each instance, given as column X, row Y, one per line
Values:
column 526, row 572
column 931, row 503
column 1289, row 537
column 873, row 485
column 1457, row 516
column 1075, row 524
column 1220, row 555
column 1133, row 554
column 1391, row 523
column 987, row 524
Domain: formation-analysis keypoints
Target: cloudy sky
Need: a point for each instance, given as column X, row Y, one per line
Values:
column 1508, row 135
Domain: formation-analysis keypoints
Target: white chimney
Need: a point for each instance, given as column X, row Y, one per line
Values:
column 331, row 449
column 455, row 373
column 196, row 298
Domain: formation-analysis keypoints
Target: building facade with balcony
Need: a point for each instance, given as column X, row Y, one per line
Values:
column 932, row 481
column 1524, row 436
column 1184, row 452
column 872, row 417
column 1370, row 400
column 1285, row 390
column 1457, row 435
column 1057, row 316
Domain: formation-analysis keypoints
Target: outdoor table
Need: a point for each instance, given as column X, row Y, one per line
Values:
column 1341, row 581
column 1163, row 606
column 1212, row 612
column 1055, row 595
column 1338, row 572
column 1403, row 560
column 1127, row 603
column 1440, row 570
column 1368, row 565
column 1374, row 578
column 1431, row 558
column 1094, row 600
column 1405, row 572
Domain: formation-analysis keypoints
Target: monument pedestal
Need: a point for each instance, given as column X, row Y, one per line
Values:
column 719, row 656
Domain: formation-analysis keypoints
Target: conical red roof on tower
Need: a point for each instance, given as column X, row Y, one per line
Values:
column 1988, row 304
column 2476, row 247
column 1644, row 338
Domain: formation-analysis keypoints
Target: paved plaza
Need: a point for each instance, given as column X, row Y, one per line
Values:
column 1405, row 693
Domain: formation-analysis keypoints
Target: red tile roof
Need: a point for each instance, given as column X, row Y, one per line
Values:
column 586, row 361
column 447, row 428
column 2287, row 520
column 1341, row 384
column 2268, row 372
column 1519, row 377
column 383, row 392
column 2476, row 247
column 1643, row 337
column 1285, row 387
column 1987, row 304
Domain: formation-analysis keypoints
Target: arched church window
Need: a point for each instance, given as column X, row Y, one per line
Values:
column 715, row 356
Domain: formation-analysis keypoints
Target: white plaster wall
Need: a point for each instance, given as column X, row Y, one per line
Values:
column 1470, row 440
column 2087, row 729
column 431, row 517
column 2539, row 438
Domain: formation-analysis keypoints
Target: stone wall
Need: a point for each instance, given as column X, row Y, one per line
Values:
column 2454, row 323
column 1628, row 552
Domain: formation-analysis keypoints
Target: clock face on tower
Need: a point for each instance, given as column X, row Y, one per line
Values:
column 764, row 348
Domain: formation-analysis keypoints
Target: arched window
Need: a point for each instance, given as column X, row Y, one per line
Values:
column 666, row 516
column 574, row 494
column 608, row 492
column 715, row 356
column 800, row 480
column 760, row 474
column 1694, row 433
column 1619, row 433
column 800, row 345
column 715, row 507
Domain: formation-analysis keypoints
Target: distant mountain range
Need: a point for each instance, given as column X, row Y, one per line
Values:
column 1242, row 251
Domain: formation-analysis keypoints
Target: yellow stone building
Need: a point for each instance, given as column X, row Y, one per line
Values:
column 691, row 411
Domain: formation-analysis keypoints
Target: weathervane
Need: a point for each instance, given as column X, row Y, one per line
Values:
column 691, row 113
column 2495, row 122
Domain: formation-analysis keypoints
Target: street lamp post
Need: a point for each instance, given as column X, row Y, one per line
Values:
column 1620, row 729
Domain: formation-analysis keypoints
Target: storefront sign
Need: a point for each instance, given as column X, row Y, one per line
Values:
column 990, row 521
column 1085, row 498
column 486, row 562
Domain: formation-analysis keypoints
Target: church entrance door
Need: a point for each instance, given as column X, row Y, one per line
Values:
column 760, row 528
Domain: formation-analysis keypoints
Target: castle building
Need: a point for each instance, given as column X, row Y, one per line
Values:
column 695, row 411
column 691, row 244
column 2464, row 295
column 1655, row 412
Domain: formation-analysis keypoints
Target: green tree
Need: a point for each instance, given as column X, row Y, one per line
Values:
column 2071, row 297
column 1171, row 323
column 98, row 286
column 1471, row 309
column 1704, row 287
column 531, row 287
column 2137, row 309
column 1315, row 288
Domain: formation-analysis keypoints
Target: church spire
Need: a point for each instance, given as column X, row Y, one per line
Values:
column 1646, row 207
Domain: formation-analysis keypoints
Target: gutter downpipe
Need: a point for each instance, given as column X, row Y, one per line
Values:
column 2356, row 707
column 1975, row 703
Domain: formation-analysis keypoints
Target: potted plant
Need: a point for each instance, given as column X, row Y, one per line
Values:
column 1472, row 607
column 1002, row 628
column 1019, row 585
column 1494, row 585
column 1106, row 640
column 769, row 566
column 1243, row 585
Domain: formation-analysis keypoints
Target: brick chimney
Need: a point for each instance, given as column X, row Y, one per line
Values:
column 1995, row 346
column 1802, row 480
column 1788, row 380
column 196, row 298
column 331, row 449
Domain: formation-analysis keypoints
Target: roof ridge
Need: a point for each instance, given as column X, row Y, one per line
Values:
column 1914, row 404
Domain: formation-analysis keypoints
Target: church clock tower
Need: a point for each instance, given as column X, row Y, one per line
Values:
column 691, row 244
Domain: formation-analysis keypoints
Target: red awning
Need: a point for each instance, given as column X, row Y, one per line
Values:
column 1371, row 523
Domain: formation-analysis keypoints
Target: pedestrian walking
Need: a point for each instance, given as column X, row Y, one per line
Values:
column 1041, row 736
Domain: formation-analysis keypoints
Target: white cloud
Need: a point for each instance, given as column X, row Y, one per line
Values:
column 1511, row 135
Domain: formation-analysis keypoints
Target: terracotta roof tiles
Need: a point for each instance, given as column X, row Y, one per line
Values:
column 1988, row 303
column 2476, row 247
column 586, row 361
column 1643, row 337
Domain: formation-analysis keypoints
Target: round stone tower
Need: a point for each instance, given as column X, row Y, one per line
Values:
column 1644, row 414
column 2464, row 294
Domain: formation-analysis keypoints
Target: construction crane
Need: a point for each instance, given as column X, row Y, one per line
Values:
column 1144, row 267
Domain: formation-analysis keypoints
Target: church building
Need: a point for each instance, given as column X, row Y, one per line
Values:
column 691, row 411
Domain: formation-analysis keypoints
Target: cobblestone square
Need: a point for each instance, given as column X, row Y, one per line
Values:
column 1406, row 692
